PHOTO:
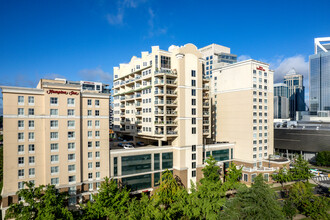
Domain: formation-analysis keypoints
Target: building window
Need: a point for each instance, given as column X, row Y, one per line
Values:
column 193, row 73
column 97, row 154
column 193, row 148
column 193, row 111
column 71, row 157
column 90, row 176
column 97, row 123
column 54, row 112
column 54, row 181
column 245, row 177
column 90, row 155
column 90, row 144
column 193, row 130
column 20, row 124
column 31, row 111
column 97, row 144
column 71, row 112
column 21, row 161
column 193, row 173
column 89, row 123
column 20, row 173
column 31, row 124
column 193, row 165
column 31, row 100
column 193, row 102
column 193, row 156
column 97, row 133
column 54, row 170
column 20, row 100
column 193, row 121
column 53, row 100
column 193, row 92
column 20, row 111
column 97, row 175
column 165, row 62
column 32, row 172
column 53, row 135
column 90, row 165
column 20, row 148
column 97, row 113
column 71, row 134
column 89, row 102
column 97, row 164
column 71, row 146
column 21, row 136
column 70, row 101
column 193, row 82
column 97, row 102
column 54, row 147
column 89, row 112
column 89, row 134
column 54, row 124
column 72, row 179
column 31, row 148
column 54, row 158
column 71, row 124
column 31, row 160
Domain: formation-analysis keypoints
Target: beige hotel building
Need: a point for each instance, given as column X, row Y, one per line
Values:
column 57, row 133
column 165, row 100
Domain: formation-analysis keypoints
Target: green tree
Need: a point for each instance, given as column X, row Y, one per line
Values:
column 301, row 170
column 257, row 202
column 43, row 202
column 233, row 176
column 111, row 202
column 307, row 203
column 323, row 158
column 289, row 209
column 282, row 176
column 168, row 198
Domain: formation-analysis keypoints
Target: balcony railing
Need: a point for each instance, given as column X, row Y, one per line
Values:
column 206, row 113
column 122, row 98
column 171, row 122
column 159, row 102
column 159, row 112
column 159, row 122
column 122, row 113
column 159, row 132
column 170, row 92
column 166, row 71
column 170, row 132
column 138, row 122
column 170, row 102
column 138, row 113
column 122, row 106
column 159, row 92
column 139, row 131
column 206, row 131
column 206, row 122
column 170, row 82
column 138, row 104
column 206, row 87
column 171, row 112
column 205, row 95
column 159, row 82
column 206, row 104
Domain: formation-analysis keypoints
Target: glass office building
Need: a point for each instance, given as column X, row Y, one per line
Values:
column 319, row 76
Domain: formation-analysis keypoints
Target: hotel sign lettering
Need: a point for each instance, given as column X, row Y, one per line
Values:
column 58, row 92
column 260, row 68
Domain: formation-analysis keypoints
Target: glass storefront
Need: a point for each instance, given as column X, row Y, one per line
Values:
column 167, row 160
column 137, row 182
column 135, row 164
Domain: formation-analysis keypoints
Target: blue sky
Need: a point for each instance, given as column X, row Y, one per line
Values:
column 85, row 39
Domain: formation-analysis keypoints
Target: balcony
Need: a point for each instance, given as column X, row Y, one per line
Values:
column 122, row 122
column 159, row 132
column 159, row 122
column 205, row 96
column 205, row 87
column 139, row 131
column 138, row 95
column 138, row 122
column 171, row 122
column 171, row 132
column 129, row 81
column 170, row 102
column 206, row 113
column 206, row 131
column 159, row 102
column 138, row 104
column 122, row 98
column 159, row 112
column 171, row 92
column 122, row 113
column 122, row 106
column 168, row 72
column 159, row 82
column 129, row 97
column 138, row 113
column 171, row 82
column 207, row 104
column 206, row 121
column 159, row 92
column 170, row 112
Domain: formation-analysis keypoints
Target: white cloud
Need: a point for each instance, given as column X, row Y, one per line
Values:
column 118, row 17
column 96, row 74
column 151, row 22
column 243, row 57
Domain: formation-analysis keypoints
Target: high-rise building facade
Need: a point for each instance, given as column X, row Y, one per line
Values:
column 57, row 133
column 242, row 95
column 281, row 101
column 215, row 56
column 319, row 76
column 296, row 92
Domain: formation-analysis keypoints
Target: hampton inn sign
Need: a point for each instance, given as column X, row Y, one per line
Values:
column 62, row 92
